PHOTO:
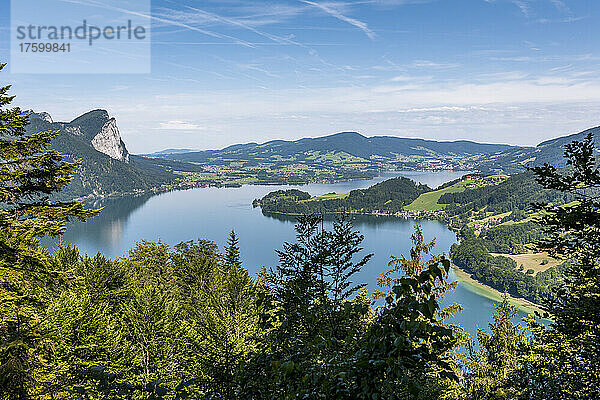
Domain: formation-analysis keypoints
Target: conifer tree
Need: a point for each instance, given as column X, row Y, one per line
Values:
column 29, row 175
column 232, row 251
column 488, row 370
column 564, row 361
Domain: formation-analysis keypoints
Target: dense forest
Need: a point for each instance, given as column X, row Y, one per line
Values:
column 388, row 197
column 502, row 273
column 474, row 254
column 518, row 193
column 189, row 321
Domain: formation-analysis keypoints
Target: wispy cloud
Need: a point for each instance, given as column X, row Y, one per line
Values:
column 432, row 64
column 167, row 21
column 179, row 126
column 195, row 16
column 527, row 9
column 262, row 14
column 333, row 10
column 523, row 6
column 561, row 6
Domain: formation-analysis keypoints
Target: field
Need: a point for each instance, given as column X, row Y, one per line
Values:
column 492, row 217
column 329, row 196
column 538, row 262
column 429, row 201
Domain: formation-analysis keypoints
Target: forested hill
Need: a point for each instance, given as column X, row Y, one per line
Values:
column 550, row 152
column 497, row 229
column 353, row 151
column 516, row 195
column 107, row 168
column 353, row 148
column 386, row 197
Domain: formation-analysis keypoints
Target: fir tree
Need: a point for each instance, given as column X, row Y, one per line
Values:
column 488, row 370
column 564, row 361
column 29, row 175
column 232, row 252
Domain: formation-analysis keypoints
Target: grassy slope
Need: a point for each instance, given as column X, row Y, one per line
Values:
column 496, row 216
column 329, row 196
column 429, row 201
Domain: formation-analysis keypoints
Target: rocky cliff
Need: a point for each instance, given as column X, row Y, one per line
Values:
column 109, row 142
column 102, row 132
column 98, row 128
column 106, row 167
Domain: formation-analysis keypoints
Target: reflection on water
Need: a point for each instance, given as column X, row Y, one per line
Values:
column 106, row 230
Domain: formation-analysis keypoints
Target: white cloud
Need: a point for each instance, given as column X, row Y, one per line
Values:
column 432, row 64
column 180, row 126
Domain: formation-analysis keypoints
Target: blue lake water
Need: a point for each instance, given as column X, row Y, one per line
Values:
column 211, row 213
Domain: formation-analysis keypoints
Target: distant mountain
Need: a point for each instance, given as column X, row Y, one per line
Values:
column 106, row 164
column 401, row 152
column 551, row 152
column 168, row 152
column 109, row 169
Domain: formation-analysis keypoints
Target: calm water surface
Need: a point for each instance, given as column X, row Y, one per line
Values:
column 211, row 213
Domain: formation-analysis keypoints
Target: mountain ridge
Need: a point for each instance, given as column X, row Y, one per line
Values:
column 351, row 135
column 550, row 151
column 377, row 152
column 106, row 168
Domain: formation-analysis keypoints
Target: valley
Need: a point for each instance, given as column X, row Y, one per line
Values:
column 487, row 207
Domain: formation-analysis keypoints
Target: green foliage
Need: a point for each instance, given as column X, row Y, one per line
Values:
column 487, row 372
column 319, row 314
column 472, row 255
column 390, row 196
column 232, row 252
column 512, row 239
column 406, row 352
column 29, row 175
column 564, row 361
column 501, row 273
column 156, row 319
column 517, row 193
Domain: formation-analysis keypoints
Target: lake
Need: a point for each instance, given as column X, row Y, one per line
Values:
column 211, row 213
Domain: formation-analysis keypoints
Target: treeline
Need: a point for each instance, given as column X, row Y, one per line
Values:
column 517, row 193
column 387, row 197
column 472, row 254
column 502, row 273
column 507, row 238
column 156, row 319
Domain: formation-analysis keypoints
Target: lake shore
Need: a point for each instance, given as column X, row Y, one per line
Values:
column 489, row 292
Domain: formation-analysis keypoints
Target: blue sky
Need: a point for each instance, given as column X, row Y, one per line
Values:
column 230, row 71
